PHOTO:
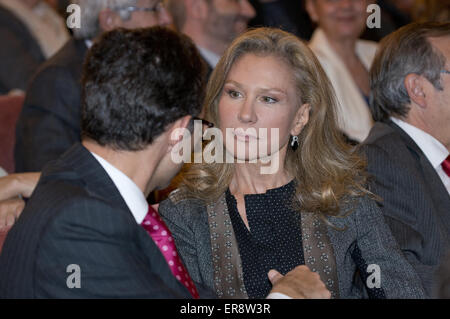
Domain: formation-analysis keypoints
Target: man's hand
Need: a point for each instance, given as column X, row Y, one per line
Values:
column 12, row 187
column 10, row 210
column 15, row 185
column 299, row 283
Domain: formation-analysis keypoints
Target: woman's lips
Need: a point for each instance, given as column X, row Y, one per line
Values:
column 243, row 136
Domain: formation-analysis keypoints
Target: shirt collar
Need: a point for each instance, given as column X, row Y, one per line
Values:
column 210, row 57
column 434, row 150
column 131, row 193
column 88, row 43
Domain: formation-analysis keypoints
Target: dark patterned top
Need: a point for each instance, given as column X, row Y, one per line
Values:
column 274, row 240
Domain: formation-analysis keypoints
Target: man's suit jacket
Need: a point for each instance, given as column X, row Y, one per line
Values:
column 416, row 204
column 76, row 216
column 20, row 54
column 50, row 120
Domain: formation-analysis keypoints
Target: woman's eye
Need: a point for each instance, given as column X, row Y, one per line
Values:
column 234, row 94
column 268, row 99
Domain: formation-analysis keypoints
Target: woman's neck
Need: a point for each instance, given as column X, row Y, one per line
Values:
column 247, row 179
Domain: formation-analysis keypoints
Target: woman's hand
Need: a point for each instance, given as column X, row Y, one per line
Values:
column 12, row 188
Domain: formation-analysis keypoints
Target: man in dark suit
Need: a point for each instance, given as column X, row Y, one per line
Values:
column 408, row 147
column 82, row 233
column 212, row 25
column 20, row 54
column 50, row 119
column 87, row 208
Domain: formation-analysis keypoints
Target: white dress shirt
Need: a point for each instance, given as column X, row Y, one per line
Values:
column 131, row 193
column 210, row 57
column 434, row 150
column 136, row 201
column 354, row 116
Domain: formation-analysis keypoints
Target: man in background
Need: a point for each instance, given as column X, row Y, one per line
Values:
column 408, row 147
column 50, row 119
column 211, row 24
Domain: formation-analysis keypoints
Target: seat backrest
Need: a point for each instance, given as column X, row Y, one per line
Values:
column 3, row 234
column 10, row 107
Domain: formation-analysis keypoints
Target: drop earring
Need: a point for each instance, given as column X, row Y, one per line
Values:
column 294, row 142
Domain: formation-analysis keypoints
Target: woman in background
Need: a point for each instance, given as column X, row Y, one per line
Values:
column 345, row 59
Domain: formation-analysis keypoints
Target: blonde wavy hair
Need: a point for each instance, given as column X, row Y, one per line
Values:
column 326, row 169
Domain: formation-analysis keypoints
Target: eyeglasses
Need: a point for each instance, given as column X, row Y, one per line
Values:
column 445, row 72
column 204, row 122
column 158, row 7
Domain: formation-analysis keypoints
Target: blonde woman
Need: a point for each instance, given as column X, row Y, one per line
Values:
column 233, row 224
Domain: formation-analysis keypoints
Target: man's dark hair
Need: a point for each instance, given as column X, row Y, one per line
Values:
column 402, row 52
column 136, row 83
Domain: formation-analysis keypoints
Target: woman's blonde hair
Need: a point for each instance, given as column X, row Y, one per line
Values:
column 327, row 171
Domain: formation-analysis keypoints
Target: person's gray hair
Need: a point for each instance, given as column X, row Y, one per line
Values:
column 403, row 52
column 90, row 10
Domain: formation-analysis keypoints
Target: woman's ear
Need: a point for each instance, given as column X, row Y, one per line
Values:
column 301, row 119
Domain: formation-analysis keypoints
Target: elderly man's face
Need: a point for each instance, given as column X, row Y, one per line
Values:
column 144, row 19
column 228, row 18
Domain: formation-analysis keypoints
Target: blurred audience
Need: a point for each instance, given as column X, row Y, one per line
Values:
column 287, row 15
column 212, row 25
column 30, row 32
column 431, row 10
column 345, row 59
column 50, row 120
column 408, row 147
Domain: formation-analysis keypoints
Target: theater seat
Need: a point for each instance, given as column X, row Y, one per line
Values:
column 3, row 234
column 10, row 107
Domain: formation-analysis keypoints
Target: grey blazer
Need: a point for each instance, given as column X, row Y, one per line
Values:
column 367, row 240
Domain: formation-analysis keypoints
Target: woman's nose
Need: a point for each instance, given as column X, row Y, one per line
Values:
column 247, row 112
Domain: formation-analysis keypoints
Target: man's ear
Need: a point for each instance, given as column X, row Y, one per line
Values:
column 301, row 119
column 414, row 85
column 311, row 9
column 177, row 130
column 108, row 20
column 197, row 9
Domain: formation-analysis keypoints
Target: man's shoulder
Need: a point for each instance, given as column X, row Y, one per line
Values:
column 67, row 62
column 383, row 135
column 385, row 140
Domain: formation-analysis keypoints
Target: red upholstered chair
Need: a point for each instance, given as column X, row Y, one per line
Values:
column 10, row 107
column 3, row 237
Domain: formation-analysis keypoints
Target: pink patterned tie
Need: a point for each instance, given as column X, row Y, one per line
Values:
column 162, row 237
column 446, row 166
